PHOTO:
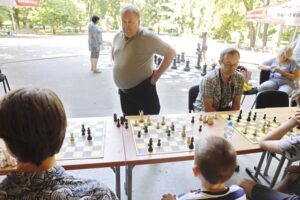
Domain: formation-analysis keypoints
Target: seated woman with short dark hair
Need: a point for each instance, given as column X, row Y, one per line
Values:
column 33, row 125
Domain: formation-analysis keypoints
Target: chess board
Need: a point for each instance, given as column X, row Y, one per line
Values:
column 252, row 130
column 169, row 144
column 180, row 74
column 81, row 148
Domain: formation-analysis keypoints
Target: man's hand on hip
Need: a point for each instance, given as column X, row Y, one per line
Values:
column 155, row 77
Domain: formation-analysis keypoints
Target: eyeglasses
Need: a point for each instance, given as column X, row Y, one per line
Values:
column 230, row 65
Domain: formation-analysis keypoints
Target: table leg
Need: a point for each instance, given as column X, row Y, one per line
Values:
column 117, row 180
column 128, row 181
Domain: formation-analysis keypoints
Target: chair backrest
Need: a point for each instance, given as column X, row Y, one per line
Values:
column 272, row 98
column 264, row 76
column 193, row 93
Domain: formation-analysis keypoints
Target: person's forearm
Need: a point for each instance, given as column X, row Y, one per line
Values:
column 166, row 61
column 279, row 132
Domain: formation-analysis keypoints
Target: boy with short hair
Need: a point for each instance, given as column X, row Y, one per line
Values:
column 215, row 162
column 33, row 124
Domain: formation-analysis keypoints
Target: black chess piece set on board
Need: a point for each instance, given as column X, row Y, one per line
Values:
column 84, row 131
column 121, row 121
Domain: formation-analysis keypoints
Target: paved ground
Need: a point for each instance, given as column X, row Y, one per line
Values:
column 62, row 64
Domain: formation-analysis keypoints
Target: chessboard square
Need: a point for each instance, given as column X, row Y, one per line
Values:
column 96, row 154
column 172, row 143
column 67, row 154
column 87, row 148
column 80, row 144
column 167, row 149
column 154, row 136
column 77, row 154
column 183, row 147
column 69, row 149
column 141, row 146
column 159, row 150
column 175, row 148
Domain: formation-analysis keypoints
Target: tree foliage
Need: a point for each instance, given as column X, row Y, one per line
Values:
column 223, row 19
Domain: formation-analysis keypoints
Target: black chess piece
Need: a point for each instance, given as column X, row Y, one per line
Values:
column 274, row 120
column 213, row 66
column 146, row 129
column 198, row 52
column 126, row 125
column 193, row 120
column 122, row 120
column 172, row 127
column 240, row 114
column 115, row 117
column 158, row 143
column 249, row 118
column 159, row 60
column 200, row 128
column 155, row 59
column 150, row 148
column 139, row 134
column 265, row 116
column 178, row 58
column 187, row 66
column 204, row 70
column 191, row 146
column 150, row 141
column 254, row 117
column 238, row 120
column 182, row 57
column 174, row 64
column 82, row 130
column 118, row 123
column 89, row 137
column 229, row 117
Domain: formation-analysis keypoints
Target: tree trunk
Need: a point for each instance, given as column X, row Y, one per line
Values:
column 252, row 37
column 279, row 35
column 266, row 26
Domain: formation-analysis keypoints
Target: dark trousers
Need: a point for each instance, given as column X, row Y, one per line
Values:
column 141, row 97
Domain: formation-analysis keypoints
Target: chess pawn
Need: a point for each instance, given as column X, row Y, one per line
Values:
column 139, row 134
column 163, row 121
column 188, row 140
column 141, row 116
column 263, row 128
column 200, row 118
column 205, row 119
column 158, row 143
column 149, row 120
column 157, row 125
column 245, row 130
column 210, row 120
column 193, row 120
column 172, row 126
column 72, row 139
column 183, row 133
column 135, row 123
column 269, row 124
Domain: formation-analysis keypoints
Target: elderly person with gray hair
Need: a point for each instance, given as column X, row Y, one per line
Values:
column 132, row 51
column 284, row 71
column 222, row 88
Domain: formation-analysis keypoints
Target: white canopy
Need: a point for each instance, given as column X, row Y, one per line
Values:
column 287, row 13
